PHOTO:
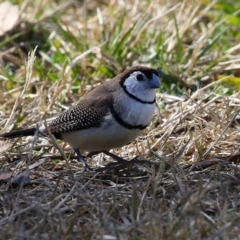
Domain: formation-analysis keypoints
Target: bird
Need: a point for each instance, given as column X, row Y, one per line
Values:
column 110, row 116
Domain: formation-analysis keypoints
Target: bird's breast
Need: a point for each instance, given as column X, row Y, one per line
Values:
column 136, row 113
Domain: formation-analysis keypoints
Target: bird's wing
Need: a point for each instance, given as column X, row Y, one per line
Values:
column 90, row 112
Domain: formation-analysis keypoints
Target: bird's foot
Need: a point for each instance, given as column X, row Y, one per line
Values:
column 82, row 160
column 115, row 157
column 110, row 166
column 88, row 169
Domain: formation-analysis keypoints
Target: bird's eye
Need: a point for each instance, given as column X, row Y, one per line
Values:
column 139, row 77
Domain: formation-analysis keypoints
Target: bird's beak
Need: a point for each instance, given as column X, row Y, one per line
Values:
column 154, row 82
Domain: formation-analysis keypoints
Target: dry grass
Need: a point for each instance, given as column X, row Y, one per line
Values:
column 183, row 179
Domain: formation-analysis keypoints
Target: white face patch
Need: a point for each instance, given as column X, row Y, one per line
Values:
column 141, row 87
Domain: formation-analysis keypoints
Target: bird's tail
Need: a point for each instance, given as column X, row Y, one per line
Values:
column 19, row 133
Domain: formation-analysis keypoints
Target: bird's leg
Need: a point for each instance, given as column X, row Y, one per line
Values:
column 115, row 157
column 91, row 154
column 82, row 160
column 110, row 165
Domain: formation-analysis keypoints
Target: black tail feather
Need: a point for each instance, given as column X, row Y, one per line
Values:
column 19, row 133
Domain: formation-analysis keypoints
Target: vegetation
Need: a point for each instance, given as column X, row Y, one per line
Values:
column 183, row 179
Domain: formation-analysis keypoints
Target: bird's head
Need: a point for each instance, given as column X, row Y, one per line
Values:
column 141, row 82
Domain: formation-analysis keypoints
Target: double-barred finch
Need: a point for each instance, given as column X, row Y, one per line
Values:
column 110, row 116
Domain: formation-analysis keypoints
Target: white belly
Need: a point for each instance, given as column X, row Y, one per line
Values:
column 100, row 139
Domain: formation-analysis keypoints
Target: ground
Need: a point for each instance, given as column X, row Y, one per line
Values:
column 182, row 179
